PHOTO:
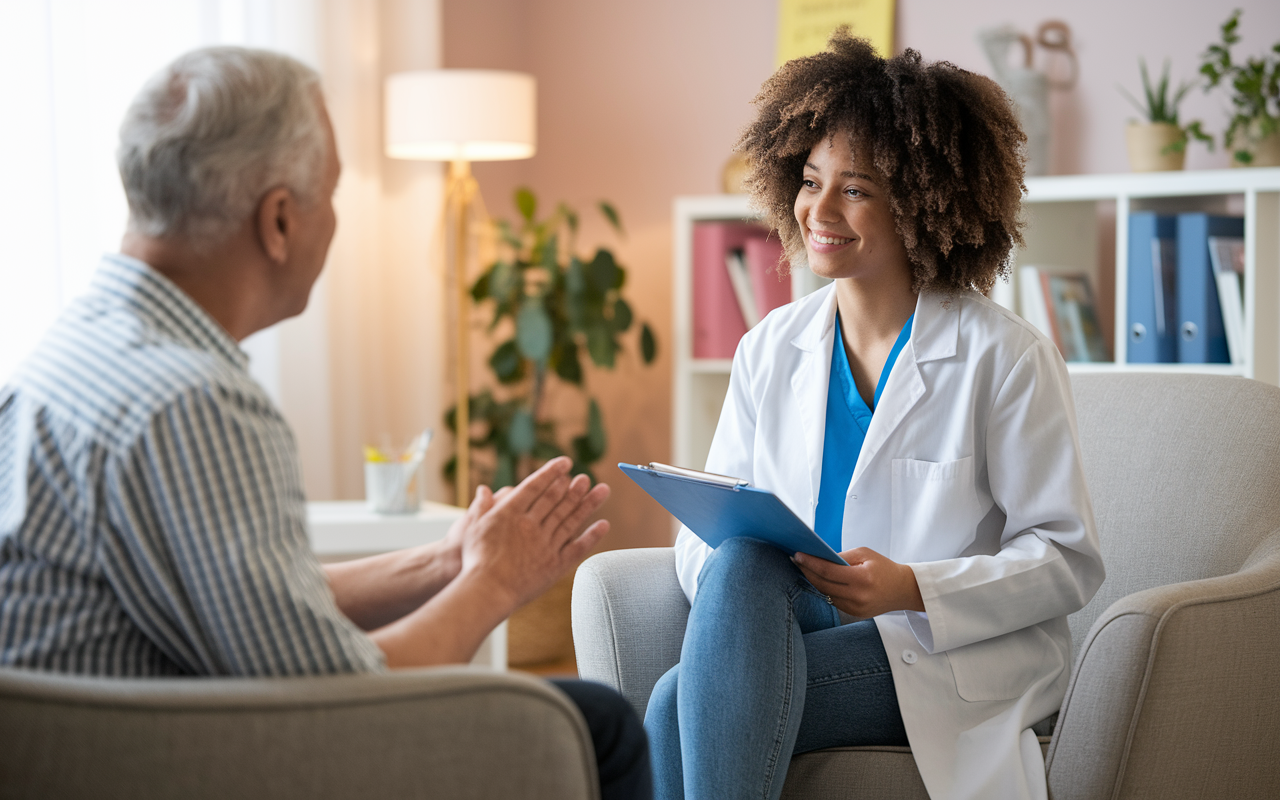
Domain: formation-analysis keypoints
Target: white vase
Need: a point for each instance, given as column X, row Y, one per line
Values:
column 1148, row 143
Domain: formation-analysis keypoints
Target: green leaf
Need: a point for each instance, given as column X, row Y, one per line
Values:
column 522, row 436
column 508, row 235
column 583, row 456
column 1194, row 131
column 534, row 332
column 595, row 430
column 601, row 346
column 570, row 217
column 575, row 278
column 526, row 203
column 506, row 362
column 583, row 453
column 567, row 365
column 611, row 214
column 505, row 472
column 545, row 451
column 504, row 280
column 621, row 315
column 603, row 271
column 548, row 254
column 480, row 289
column 648, row 344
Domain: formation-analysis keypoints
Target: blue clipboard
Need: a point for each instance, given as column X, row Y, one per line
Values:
column 716, row 507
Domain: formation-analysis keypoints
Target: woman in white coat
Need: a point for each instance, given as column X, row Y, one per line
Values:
column 924, row 431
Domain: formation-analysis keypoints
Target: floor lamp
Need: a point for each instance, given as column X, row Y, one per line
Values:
column 460, row 116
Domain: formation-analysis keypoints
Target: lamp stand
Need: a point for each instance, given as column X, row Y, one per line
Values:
column 462, row 188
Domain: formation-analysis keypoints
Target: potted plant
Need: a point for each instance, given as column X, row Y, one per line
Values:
column 550, row 307
column 1160, row 143
column 1253, row 134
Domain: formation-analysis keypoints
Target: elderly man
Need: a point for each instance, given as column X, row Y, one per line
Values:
column 151, row 508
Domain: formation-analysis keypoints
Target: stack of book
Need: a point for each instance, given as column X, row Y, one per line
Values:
column 1185, row 289
column 739, row 276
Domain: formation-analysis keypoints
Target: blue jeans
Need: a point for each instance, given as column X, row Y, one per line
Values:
column 766, row 671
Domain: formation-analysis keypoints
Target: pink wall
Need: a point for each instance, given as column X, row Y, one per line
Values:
column 640, row 102
column 1109, row 37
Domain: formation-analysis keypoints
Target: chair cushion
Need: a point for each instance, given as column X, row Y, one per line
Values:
column 858, row 773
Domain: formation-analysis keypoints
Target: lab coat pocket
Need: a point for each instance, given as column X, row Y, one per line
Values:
column 1004, row 667
column 936, row 509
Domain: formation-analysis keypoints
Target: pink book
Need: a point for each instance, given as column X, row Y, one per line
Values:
column 769, row 276
column 717, row 319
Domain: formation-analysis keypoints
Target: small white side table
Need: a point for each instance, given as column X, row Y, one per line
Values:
column 341, row 531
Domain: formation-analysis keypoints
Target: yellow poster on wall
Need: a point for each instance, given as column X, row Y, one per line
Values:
column 805, row 25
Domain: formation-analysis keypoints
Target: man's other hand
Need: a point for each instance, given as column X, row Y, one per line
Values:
column 521, row 540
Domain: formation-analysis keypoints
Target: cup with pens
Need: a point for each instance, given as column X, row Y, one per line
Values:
column 391, row 479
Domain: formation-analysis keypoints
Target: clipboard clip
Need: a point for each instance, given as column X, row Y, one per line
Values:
column 693, row 474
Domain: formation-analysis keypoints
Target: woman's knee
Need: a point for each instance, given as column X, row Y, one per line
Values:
column 748, row 561
column 662, row 700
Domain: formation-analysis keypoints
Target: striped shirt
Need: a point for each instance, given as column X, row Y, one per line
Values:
column 152, row 518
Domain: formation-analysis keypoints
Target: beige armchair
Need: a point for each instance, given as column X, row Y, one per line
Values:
column 1175, row 691
column 440, row 733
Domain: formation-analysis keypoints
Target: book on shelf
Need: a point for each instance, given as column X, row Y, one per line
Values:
column 718, row 323
column 1226, row 254
column 735, row 261
column 1061, row 306
column 1202, row 335
column 770, row 279
column 1152, row 307
column 737, row 280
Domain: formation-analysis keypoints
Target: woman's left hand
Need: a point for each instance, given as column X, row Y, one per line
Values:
column 870, row 585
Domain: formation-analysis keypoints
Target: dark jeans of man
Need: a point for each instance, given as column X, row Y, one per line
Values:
column 622, row 751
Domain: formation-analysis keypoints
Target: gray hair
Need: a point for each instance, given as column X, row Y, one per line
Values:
column 213, row 132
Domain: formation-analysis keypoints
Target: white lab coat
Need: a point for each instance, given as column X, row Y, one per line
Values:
column 971, row 473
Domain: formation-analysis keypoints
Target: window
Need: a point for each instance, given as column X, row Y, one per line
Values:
column 68, row 69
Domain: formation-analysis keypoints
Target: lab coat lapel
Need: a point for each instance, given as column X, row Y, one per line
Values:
column 934, row 334
column 809, row 382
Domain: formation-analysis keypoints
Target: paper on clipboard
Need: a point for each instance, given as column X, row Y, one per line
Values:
column 719, row 507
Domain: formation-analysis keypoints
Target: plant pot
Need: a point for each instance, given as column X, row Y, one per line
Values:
column 1147, row 142
column 1265, row 151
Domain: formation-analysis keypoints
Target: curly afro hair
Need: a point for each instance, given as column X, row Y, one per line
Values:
column 946, row 143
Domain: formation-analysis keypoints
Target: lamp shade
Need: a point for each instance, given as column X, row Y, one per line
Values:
column 460, row 115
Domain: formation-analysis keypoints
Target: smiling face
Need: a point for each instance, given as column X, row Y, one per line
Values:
column 845, row 219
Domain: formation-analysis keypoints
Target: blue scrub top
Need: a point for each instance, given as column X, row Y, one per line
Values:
column 847, row 421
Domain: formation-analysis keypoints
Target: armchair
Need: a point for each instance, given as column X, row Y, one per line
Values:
column 1174, row 688
column 444, row 732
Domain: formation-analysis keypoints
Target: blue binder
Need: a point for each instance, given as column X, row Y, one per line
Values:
column 718, row 508
column 1152, row 306
column 1202, row 339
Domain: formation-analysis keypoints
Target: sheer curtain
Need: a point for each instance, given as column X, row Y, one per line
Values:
column 365, row 361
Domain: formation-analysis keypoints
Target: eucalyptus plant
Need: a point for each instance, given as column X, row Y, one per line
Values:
column 559, row 307
column 1161, row 106
column 1255, row 99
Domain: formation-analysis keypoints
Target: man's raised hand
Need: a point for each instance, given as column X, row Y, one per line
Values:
column 521, row 540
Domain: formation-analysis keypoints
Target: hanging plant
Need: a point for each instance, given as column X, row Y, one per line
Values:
column 559, row 307
column 1255, row 96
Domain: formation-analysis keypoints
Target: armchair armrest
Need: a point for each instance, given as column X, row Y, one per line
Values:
column 629, row 615
column 1174, row 692
column 439, row 732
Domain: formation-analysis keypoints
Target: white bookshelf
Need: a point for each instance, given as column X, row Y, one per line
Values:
column 1076, row 223
column 701, row 383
